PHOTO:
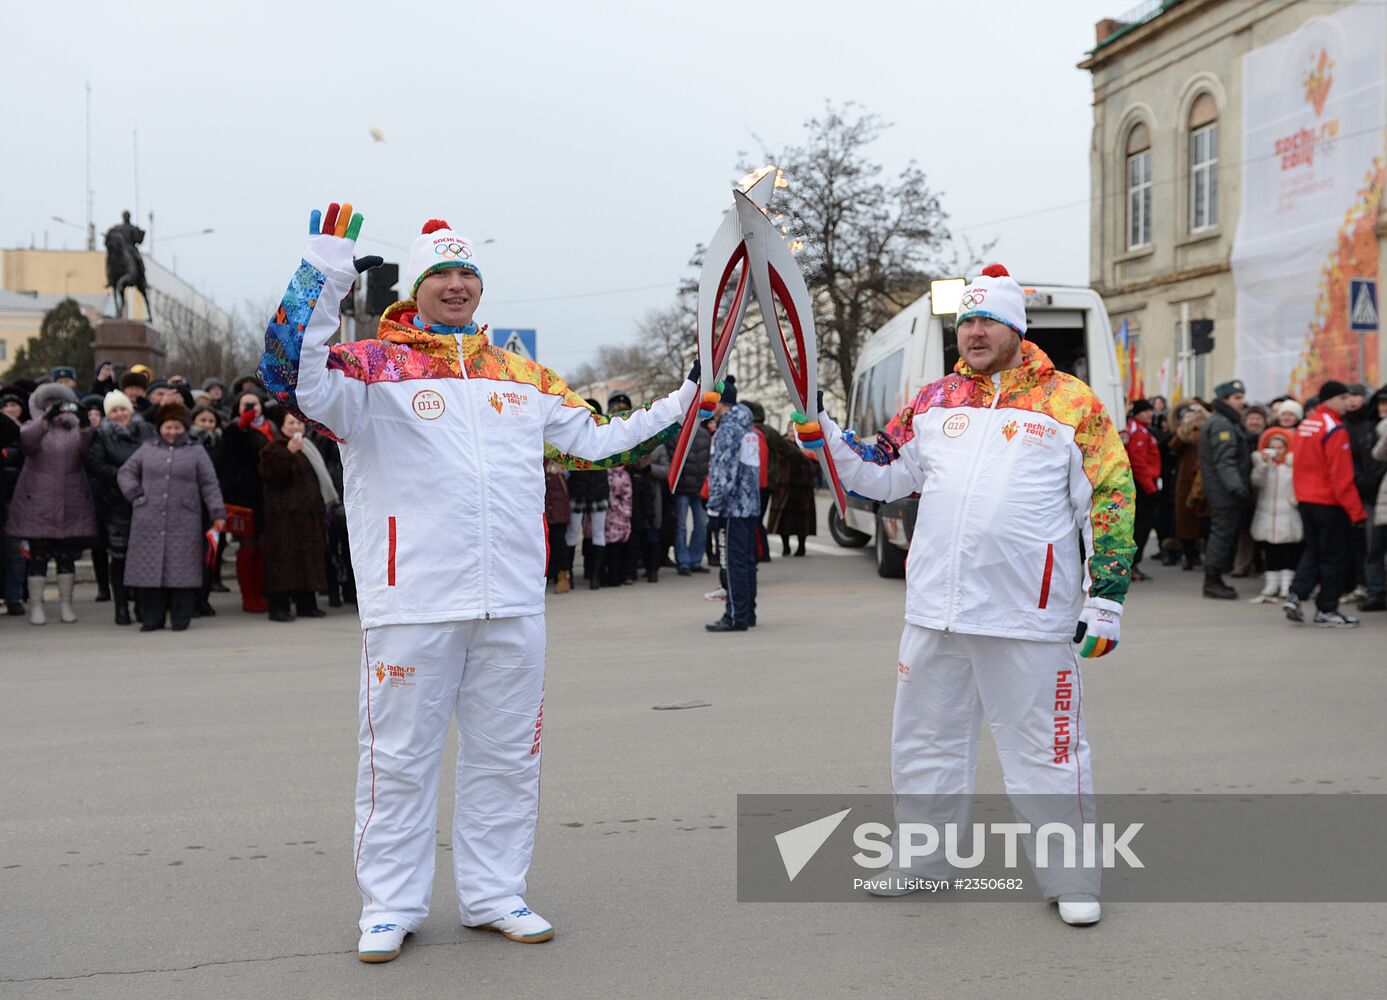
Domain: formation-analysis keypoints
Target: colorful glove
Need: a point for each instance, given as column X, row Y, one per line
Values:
column 810, row 434
column 338, row 221
column 708, row 405
column 1100, row 625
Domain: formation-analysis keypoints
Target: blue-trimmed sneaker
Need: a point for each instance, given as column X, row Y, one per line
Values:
column 523, row 925
column 381, row 943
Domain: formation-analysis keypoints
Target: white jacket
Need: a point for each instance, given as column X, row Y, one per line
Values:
column 1019, row 475
column 1276, row 519
column 442, row 449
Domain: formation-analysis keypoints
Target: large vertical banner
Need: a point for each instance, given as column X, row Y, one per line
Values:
column 1314, row 123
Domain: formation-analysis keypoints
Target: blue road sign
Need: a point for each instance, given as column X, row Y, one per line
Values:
column 1362, row 305
column 522, row 342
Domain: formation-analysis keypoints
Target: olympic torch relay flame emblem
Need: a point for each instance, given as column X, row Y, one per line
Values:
column 748, row 258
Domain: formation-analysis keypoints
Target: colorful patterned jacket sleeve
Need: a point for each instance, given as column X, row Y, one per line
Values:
column 887, row 469
column 576, row 432
column 1104, row 500
column 297, row 365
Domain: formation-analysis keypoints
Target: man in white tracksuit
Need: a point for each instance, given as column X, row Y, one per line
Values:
column 443, row 439
column 1024, row 529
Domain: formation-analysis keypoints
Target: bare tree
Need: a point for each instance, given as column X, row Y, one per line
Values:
column 665, row 345
column 867, row 244
column 203, row 344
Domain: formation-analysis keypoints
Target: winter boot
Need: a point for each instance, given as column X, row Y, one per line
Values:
column 592, row 566
column 1271, row 580
column 66, row 583
column 563, row 585
column 101, row 569
column 36, row 615
column 1284, row 586
column 1215, row 587
column 118, row 592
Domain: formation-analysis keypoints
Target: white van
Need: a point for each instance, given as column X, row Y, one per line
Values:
column 917, row 347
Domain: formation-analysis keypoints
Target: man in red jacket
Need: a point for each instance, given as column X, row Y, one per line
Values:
column 1145, row 455
column 1329, row 508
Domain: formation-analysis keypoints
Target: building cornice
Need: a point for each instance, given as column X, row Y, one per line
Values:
column 1163, row 280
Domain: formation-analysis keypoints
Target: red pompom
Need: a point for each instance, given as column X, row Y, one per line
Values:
column 996, row 271
column 434, row 225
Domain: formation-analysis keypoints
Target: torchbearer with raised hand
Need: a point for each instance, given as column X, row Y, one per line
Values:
column 442, row 438
column 1019, row 561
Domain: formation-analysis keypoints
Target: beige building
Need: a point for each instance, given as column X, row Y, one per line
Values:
column 1167, row 165
column 39, row 279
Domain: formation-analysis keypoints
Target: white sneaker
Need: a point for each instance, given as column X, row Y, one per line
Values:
column 715, row 595
column 381, row 943
column 894, row 882
column 1080, row 909
column 523, row 925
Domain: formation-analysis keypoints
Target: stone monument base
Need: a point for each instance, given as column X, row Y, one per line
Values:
column 127, row 342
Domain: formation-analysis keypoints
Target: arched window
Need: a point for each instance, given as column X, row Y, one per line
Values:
column 1203, row 140
column 1138, row 187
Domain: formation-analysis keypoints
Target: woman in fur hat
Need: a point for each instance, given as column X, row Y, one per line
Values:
column 52, row 507
column 295, row 511
column 169, row 481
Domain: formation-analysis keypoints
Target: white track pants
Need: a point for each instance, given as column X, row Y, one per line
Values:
column 414, row 679
column 1031, row 695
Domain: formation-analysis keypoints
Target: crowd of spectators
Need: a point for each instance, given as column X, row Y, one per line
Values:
column 161, row 483
column 1293, row 491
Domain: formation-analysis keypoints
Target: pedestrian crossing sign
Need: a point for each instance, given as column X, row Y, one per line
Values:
column 1362, row 305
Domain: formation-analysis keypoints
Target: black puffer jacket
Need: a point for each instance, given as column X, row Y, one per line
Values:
column 695, row 470
column 1225, row 458
column 1368, row 472
column 111, row 448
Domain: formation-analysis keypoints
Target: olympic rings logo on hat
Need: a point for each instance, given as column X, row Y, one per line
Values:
column 973, row 297
column 449, row 248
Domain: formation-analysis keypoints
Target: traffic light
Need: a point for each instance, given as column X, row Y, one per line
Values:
column 380, row 288
column 1202, row 336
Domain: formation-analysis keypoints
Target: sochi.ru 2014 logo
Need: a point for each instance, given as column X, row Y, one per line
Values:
column 428, row 404
column 1009, row 430
column 973, row 297
column 495, row 401
column 956, row 425
column 399, row 676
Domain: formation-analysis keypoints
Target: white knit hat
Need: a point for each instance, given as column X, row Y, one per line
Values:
column 994, row 294
column 437, row 247
column 117, row 400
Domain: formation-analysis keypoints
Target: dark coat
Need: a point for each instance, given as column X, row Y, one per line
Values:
column 53, row 496
column 1225, row 458
column 113, row 446
column 168, row 485
column 10, row 459
column 695, row 471
column 1368, row 472
column 241, row 450
column 1189, row 520
column 793, row 510
column 294, row 538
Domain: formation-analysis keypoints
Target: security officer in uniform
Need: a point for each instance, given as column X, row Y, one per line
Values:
column 1225, row 461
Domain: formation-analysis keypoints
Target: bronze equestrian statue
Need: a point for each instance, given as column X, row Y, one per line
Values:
column 124, row 267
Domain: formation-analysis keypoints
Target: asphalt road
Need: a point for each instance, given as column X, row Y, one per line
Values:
column 176, row 816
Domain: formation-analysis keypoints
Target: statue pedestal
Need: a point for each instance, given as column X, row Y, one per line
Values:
column 127, row 342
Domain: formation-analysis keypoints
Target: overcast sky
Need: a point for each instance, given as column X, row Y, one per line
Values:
column 594, row 143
